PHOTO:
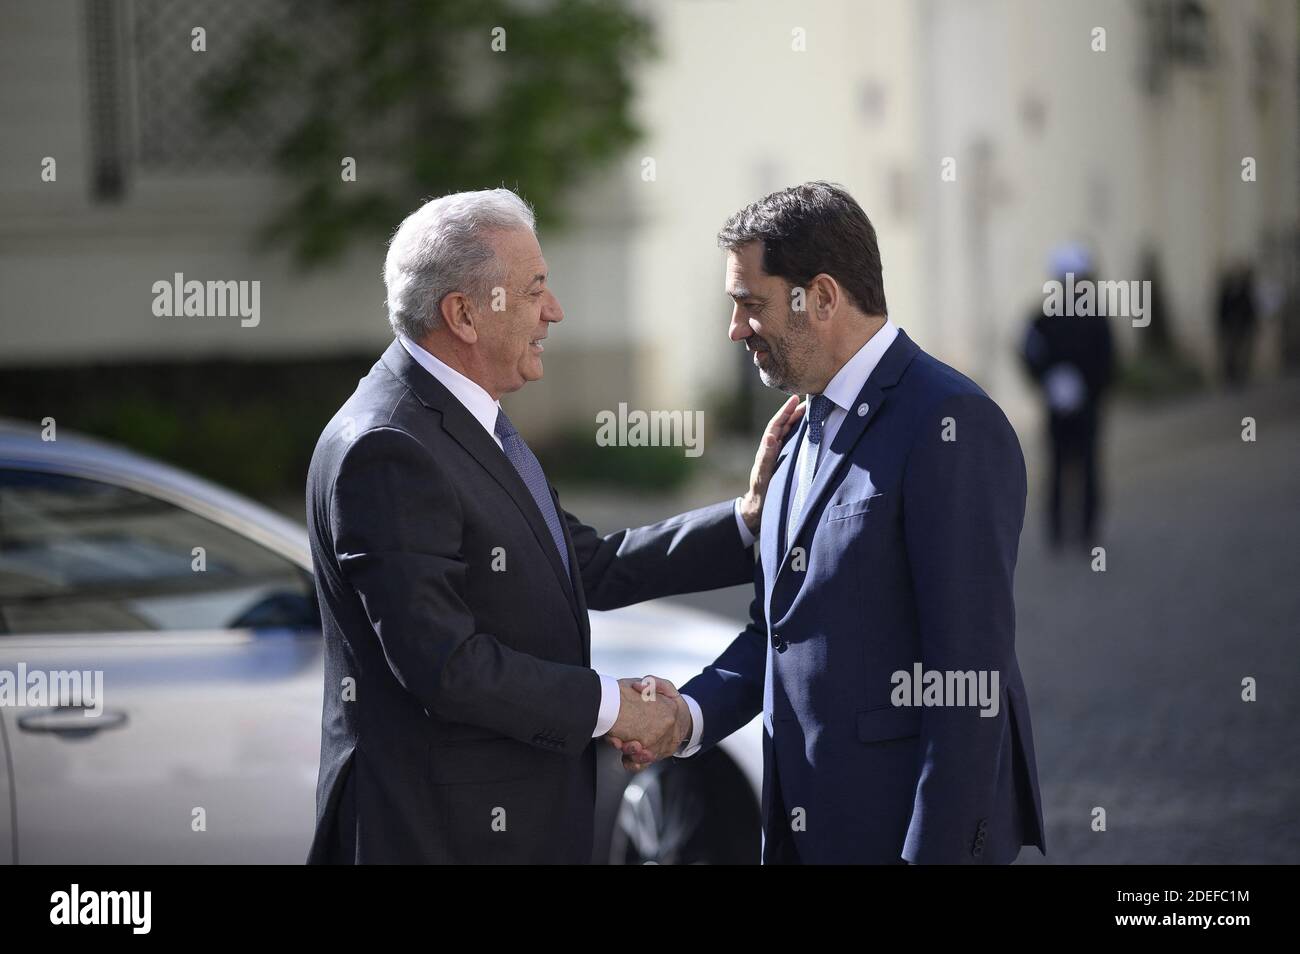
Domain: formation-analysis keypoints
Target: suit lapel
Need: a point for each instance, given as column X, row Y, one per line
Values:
column 871, row 398
column 834, row 456
column 469, row 434
column 771, row 533
column 579, row 593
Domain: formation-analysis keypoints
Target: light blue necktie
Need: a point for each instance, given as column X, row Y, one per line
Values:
column 819, row 406
column 530, row 471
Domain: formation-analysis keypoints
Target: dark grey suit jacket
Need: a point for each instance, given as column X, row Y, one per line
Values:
column 459, row 703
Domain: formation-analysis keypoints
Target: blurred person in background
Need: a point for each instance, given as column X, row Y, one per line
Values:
column 1157, row 339
column 1072, row 359
column 1237, row 320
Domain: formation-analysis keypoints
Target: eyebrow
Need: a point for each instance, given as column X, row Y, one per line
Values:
column 540, row 277
column 739, row 293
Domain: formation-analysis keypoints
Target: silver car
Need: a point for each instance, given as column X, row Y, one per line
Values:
column 197, row 607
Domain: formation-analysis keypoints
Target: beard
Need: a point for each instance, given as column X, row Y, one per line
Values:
column 783, row 368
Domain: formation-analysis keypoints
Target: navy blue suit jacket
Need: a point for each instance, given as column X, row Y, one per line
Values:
column 904, row 553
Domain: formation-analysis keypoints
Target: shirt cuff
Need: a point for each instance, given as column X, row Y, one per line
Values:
column 746, row 538
column 697, row 728
column 609, row 705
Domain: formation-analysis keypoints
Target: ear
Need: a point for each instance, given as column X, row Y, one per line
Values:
column 824, row 296
column 459, row 317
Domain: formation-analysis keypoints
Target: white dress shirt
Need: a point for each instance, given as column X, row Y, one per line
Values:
column 484, row 409
column 843, row 391
column 478, row 402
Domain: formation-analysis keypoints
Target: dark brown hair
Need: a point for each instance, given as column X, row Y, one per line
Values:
column 811, row 229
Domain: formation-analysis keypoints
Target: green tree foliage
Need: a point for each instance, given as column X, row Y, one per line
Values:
column 414, row 90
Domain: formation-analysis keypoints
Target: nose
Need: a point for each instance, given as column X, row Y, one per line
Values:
column 551, row 310
column 739, row 329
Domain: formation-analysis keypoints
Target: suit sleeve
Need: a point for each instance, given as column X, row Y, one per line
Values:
column 729, row 692
column 689, row 553
column 396, row 525
column 963, row 507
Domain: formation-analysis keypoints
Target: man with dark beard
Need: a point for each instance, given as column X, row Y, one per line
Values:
column 886, row 562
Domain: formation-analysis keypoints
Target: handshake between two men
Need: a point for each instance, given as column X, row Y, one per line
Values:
column 888, row 541
column 653, row 721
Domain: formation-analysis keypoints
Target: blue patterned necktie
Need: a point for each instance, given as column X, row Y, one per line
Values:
column 530, row 471
column 819, row 406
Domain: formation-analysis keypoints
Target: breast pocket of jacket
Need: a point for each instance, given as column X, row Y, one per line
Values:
column 855, row 508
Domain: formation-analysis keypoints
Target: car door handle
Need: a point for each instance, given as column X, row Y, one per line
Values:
column 72, row 720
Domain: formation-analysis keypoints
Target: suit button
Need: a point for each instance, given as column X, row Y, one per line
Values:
column 778, row 643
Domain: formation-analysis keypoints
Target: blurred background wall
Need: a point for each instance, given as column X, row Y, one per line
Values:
column 1132, row 148
column 979, row 135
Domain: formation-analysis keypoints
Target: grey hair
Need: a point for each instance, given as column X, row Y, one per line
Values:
column 443, row 247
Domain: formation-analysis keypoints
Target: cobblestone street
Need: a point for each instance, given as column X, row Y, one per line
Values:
column 1134, row 675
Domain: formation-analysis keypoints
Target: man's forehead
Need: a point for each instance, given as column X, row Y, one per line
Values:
column 522, row 253
column 744, row 270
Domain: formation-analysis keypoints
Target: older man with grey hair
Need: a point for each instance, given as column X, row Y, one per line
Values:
column 460, row 707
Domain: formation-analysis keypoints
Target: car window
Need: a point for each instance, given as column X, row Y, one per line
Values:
column 81, row 556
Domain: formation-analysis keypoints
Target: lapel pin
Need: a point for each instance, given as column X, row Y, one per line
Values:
column 863, row 409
